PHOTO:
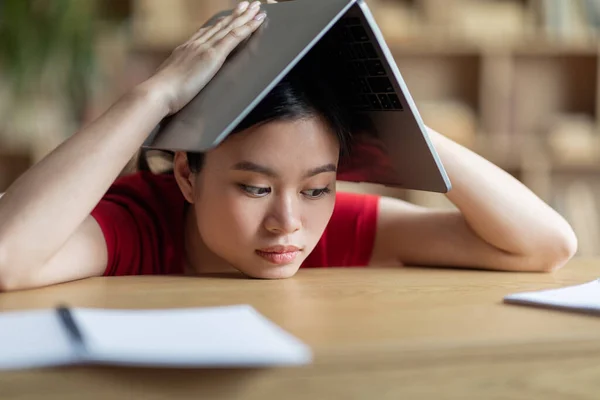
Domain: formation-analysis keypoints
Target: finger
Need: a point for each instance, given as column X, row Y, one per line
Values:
column 243, row 19
column 230, row 41
column 221, row 23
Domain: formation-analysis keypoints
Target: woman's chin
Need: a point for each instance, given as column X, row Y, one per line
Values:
column 271, row 271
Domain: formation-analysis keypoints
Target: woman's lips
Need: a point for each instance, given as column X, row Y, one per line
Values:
column 279, row 255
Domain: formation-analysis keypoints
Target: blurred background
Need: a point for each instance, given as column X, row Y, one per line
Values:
column 514, row 80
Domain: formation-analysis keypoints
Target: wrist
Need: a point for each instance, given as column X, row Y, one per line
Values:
column 437, row 139
column 444, row 146
column 446, row 151
column 151, row 96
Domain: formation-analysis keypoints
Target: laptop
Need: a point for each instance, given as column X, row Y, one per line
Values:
column 395, row 151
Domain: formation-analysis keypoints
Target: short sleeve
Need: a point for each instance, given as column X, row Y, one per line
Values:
column 141, row 217
column 349, row 238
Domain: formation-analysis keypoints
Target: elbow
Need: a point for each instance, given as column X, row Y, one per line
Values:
column 3, row 269
column 557, row 252
column 566, row 249
column 5, row 283
column 9, row 278
column 10, row 283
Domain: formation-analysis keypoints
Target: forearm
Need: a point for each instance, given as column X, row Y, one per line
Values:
column 45, row 205
column 499, row 208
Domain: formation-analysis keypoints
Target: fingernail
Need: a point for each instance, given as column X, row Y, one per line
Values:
column 260, row 16
column 255, row 4
column 243, row 6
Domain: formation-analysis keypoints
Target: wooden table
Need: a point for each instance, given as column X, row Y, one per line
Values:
column 376, row 333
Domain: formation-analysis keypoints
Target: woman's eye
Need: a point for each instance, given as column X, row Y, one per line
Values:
column 316, row 193
column 256, row 190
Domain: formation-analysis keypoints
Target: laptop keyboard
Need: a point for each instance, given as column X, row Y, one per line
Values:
column 371, row 88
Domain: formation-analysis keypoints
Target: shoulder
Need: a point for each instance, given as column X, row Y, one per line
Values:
column 354, row 208
column 141, row 216
column 349, row 237
column 146, row 187
column 146, row 192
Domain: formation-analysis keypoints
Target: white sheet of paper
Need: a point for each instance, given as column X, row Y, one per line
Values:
column 231, row 336
column 30, row 339
column 585, row 297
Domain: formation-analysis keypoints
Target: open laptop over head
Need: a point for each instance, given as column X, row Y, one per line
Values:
column 342, row 34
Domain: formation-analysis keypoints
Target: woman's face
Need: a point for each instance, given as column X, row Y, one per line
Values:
column 265, row 195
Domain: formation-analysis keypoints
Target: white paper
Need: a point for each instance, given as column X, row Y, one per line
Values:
column 232, row 336
column 585, row 297
column 33, row 339
column 219, row 336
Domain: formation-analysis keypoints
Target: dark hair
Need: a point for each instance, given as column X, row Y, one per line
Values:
column 309, row 90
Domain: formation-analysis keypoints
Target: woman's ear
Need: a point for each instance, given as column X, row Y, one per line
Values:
column 184, row 176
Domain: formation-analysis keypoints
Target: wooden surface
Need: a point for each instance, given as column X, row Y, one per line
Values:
column 376, row 334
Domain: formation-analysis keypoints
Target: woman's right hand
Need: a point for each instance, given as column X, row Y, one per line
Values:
column 193, row 64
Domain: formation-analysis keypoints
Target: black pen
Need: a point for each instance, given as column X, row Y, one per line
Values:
column 66, row 318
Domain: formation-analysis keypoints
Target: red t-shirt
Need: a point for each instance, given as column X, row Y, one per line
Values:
column 142, row 218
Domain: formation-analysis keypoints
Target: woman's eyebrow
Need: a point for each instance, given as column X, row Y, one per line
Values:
column 253, row 167
column 320, row 170
column 263, row 170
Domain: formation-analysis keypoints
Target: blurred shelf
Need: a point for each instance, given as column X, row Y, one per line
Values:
column 545, row 47
column 576, row 168
column 455, row 46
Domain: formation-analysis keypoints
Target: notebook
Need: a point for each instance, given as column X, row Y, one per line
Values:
column 231, row 336
column 584, row 298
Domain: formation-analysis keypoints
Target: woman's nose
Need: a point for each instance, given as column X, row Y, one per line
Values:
column 284, row 218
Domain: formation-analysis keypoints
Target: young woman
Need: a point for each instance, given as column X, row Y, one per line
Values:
column 263, row 202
